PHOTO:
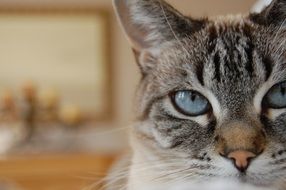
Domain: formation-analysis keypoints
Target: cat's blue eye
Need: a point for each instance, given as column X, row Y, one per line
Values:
column 190, row 103
column 276, row 97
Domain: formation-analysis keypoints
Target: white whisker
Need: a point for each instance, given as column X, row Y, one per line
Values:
column 171, row 28
column 279, row 29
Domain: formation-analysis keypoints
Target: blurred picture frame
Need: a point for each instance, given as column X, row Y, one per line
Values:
column 66, row 51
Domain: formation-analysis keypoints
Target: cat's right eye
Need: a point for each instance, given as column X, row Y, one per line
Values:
column 190, row 103
column 276, row 97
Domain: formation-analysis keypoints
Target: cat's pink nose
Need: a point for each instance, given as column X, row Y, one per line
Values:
column 241, row 159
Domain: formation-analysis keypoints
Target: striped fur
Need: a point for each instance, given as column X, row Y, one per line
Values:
column 233, row 61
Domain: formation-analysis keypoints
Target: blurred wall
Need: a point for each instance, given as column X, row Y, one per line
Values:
column 125, row 71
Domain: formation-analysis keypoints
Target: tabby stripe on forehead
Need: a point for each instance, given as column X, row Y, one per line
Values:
column 217, row 66
column 249, row 51
column 200, row 72
column 267, row 62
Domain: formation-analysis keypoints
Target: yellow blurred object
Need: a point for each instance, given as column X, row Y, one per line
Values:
column 71, row 115
column 49, row 104
column 49, row 98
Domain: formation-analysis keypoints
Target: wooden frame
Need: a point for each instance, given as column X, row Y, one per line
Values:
column 99, row 115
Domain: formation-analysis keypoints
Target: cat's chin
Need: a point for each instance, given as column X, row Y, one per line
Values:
column 207, row 185
column 241, row 181
column 252, row 181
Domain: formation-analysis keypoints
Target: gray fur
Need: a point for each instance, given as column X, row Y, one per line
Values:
column 231, row 58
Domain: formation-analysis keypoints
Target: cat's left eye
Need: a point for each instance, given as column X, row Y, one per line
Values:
column 190, row 103
column 276, row 97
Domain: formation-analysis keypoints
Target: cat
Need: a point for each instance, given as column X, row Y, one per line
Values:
column 211, row 103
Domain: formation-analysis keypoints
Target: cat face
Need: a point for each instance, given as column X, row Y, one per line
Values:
column 212, row 94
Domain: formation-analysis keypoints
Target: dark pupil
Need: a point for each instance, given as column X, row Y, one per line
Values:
column 193, row 97
column 282, row 89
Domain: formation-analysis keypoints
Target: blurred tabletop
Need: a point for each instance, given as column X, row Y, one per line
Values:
column 53, row 172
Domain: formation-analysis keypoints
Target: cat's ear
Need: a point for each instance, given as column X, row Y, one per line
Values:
column 150, row 23
column 274, row 14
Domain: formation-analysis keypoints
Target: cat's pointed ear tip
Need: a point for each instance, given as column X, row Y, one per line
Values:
column 115, row 2
column 272, row 14
column 121, row 4
column 118, row 2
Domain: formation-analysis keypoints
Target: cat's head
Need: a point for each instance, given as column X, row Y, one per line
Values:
column 213, row 91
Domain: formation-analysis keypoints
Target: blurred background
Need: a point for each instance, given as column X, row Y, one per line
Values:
column 67, row 81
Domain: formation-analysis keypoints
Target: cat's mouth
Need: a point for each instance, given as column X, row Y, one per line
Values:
column 248, row 179
column 243, row 177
